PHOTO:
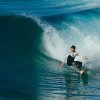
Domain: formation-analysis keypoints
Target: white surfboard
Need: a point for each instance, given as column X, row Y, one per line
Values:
column 82, row 71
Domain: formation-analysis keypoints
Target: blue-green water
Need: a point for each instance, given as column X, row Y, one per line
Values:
column 35, row 35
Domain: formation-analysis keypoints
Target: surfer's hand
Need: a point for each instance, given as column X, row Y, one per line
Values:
column 62, row 64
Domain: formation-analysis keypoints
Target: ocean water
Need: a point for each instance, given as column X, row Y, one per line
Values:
column 35, row 36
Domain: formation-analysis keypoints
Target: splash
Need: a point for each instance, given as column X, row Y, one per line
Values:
column 73, row 29
column 53, row 44
column 57, row 42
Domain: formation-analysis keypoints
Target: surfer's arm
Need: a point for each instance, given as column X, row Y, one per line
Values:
column 62, row 64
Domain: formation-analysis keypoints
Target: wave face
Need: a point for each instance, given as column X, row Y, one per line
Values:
column 35, row 36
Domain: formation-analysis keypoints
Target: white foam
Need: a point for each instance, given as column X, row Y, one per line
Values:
column 56, row 46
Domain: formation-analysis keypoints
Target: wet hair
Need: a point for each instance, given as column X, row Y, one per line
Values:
column 73, row 46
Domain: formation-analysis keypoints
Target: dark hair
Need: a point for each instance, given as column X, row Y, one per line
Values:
column 73, row 46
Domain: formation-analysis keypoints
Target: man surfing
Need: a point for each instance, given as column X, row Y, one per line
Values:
column 73, row 59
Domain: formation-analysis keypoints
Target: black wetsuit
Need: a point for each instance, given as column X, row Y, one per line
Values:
column 71, row 62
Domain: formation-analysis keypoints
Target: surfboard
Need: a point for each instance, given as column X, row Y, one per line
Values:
column 74, row 68
column 82, row 71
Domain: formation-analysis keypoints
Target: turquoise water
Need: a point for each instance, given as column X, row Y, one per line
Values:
column 34, row 38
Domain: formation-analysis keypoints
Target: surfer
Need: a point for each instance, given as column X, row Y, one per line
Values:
column 73, row 59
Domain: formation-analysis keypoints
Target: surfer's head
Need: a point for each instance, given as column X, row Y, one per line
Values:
column 73, row 48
